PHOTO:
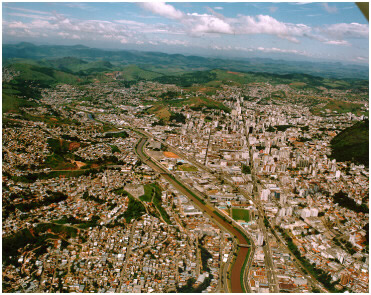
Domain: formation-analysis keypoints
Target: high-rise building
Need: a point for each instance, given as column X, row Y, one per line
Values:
column 305, row 213
column 260, row 239
column 313, row 212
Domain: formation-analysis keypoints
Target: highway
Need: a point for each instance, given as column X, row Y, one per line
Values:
column 236, row 284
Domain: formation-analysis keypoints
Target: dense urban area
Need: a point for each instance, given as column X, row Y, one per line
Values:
column 123, row 185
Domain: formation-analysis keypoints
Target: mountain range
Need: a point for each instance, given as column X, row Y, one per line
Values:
column 176, row 63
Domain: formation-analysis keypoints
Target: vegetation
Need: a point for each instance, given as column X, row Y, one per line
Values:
column 37, row 237
column 115, row 149
column 88, row 197
column 189, row 288
column 339, row 107
column 283, row 127
column 188, row 79
column 240, row 214
column 178, row 117
column 205, row 255
column 135, row 209
column 344, row 201
column 153, row 192
column 352, row 144
column 25, row 206
column 122, row 134
column 246, row 169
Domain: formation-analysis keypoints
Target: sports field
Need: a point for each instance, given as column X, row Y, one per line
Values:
column 240, row 214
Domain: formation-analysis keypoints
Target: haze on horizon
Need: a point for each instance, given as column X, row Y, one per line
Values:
column 300, row 31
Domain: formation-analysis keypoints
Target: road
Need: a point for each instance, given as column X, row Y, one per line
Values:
column 236, row 284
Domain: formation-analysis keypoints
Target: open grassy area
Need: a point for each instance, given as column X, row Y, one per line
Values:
column 153, row 190
column 240, row 214
column 339, row 107
column 187, row 167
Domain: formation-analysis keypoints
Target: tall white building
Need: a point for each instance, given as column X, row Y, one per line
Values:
column 260, row 239
column 305, row 213
column 264, row 194
column 313, row 212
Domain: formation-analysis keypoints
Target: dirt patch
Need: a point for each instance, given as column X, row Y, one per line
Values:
column 94, row 166
column 78, row 164
column 73, row 145
column 235, row 73
column 171, row 155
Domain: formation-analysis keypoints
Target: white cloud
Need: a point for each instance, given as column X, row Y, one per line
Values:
column 162, row 9
column 205, row 23
column 218, row 8
column 130, row 22
column 26, row 10
column 279, row 50
column 260, row 49
column 174, row 42
column 328, row 8
column 199, row 24
column 265, row 24
column 31, row 15
column 338, row 42
column 341, row 30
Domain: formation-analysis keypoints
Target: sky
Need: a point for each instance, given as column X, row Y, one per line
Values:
column 334, row 31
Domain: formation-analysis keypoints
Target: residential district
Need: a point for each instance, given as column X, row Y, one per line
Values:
column 82, row 212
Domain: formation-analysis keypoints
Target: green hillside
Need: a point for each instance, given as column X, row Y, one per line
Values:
column 351, row 144
column 213, row 78
column 44, row 76
column 133, row 72
column 28, row 83
column 64, row 63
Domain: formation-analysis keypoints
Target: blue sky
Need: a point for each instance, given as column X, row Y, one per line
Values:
column 323, row 31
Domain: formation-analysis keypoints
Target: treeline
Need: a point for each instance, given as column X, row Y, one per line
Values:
column 189, row 288
column 169, row 95
column 178, row 117
column 205, row 255
column 53, row 197
column 344, row 201
column 122, row 134
column 58, row 146
column 188, row 79
column 352, row 144
column 36, row 239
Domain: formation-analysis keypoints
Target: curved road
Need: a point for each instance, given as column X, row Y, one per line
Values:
column 236, row 284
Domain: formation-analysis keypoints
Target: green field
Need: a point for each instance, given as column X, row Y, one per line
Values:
column 188, row 168
column 154, row 190
column 240, row 214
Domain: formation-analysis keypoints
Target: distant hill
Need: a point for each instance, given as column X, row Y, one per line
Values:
column 185, row 63
column 133, row 72
column 28, row 83
column 213, row 77
column 44, row 76
column 352, row 144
